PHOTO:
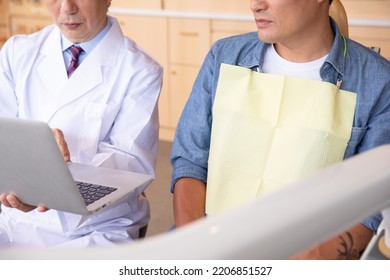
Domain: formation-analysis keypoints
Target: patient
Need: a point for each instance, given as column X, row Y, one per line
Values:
column 233, row 144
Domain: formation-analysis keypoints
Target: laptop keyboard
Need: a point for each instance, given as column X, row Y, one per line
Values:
column 92, row 192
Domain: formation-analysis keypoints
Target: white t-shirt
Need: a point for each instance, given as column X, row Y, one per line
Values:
column 275, row 64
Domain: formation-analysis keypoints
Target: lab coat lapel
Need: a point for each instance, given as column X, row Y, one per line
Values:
column 87, row 76
column 51, row 70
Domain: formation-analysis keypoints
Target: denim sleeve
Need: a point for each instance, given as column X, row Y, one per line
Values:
column 190, row 149
column 373, row 221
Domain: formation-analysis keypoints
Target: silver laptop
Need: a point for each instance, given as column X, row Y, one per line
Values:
column 33, row 168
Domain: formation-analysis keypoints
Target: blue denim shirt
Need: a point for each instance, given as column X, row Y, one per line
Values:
column 359, row 69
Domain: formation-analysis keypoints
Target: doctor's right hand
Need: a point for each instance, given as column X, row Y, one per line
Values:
column 12, row 201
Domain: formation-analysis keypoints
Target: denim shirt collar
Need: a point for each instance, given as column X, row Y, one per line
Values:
column 255, row 59
column 336, row 57
column 332, row 70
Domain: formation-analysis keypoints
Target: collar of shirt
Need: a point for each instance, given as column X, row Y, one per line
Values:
column 87, row 46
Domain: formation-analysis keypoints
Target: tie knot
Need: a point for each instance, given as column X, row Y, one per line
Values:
column 75, row 50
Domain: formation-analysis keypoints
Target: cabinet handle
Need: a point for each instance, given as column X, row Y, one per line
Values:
column 189, row 34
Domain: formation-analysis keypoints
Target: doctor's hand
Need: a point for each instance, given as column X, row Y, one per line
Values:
column 12, row 201
column 60, row 139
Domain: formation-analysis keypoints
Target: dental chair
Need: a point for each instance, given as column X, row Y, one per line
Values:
column 303, row 208
column 338, row 13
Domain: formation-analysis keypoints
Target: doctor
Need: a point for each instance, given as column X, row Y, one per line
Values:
column 104, row 114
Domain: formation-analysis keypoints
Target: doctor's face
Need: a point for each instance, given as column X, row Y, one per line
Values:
column 79, row 20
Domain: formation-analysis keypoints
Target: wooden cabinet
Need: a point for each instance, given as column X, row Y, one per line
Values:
column 367, row 23
column 225, row 28
column 3, row 12
column 138, row 4
column 217, row 6
column 21, row 17
column 180, row 45
column 188, row 44
column 27, row 16
column 154, row 42
column 3, row 22
column 189, row 40
column 23, row 25
column 369, row 9
column 372, row 37
column 3, row 35
column 26, row 7
column 181, row 79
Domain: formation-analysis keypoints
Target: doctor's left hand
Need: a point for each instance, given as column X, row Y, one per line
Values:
column 62, row 145
column 12, row 201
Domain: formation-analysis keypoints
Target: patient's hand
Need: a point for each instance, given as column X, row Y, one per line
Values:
column 59, row 136
column 12, row 201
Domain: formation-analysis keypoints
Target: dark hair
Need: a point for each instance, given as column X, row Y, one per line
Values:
column 330, row 2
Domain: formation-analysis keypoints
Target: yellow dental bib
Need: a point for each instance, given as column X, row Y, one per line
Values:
column 271, row 130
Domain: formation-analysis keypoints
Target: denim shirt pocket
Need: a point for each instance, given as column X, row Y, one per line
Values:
column 357, row 135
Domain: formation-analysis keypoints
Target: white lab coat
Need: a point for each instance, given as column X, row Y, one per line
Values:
column 108, row 113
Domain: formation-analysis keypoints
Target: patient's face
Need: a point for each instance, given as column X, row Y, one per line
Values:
column 285, row 21
column 79, row 20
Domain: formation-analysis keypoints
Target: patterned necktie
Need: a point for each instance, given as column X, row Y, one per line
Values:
column 75, row 51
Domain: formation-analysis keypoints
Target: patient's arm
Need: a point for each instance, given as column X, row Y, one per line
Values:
column 346, row 246
column 188, row 200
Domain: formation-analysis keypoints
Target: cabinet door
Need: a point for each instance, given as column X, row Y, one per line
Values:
column 3, row 35
column 362, row 17
column 372, row 37
column 3, row 13
column 150, row 33
column 3, row 22
column 189, row 41
column 26, row 7
column 375, row 9
column 224, row 28
column 218, row 6
column 137, row 4
column 28, row 25
column 181, row 80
